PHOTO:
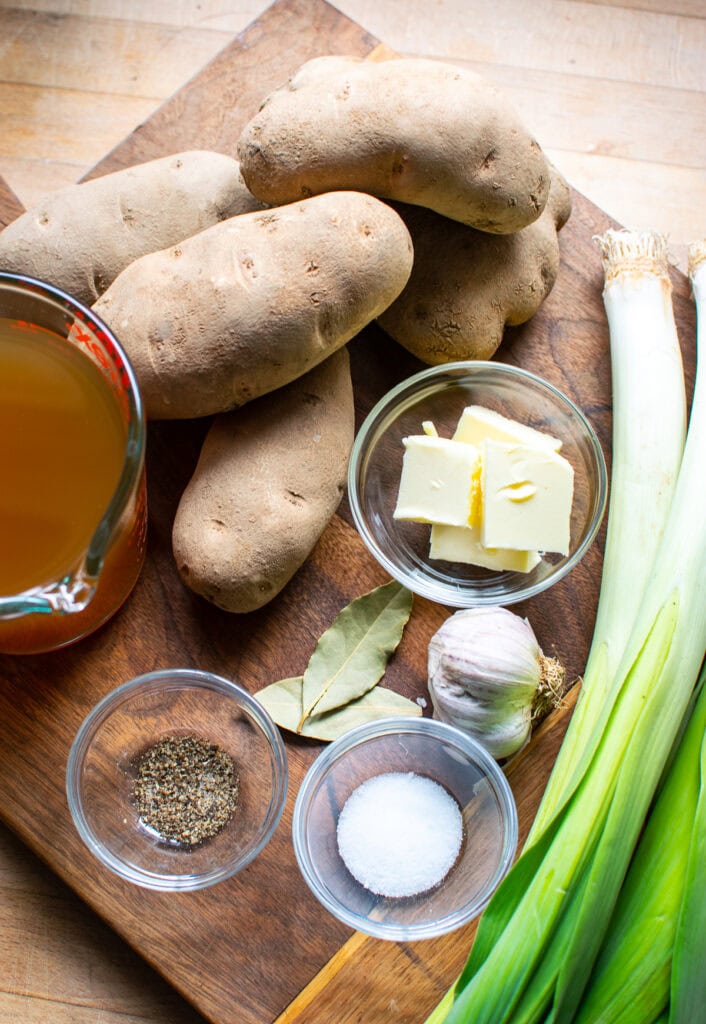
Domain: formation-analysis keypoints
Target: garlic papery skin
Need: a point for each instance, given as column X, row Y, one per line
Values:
column 484, row 669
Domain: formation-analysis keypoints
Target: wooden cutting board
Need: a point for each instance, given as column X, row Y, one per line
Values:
column 258, row 948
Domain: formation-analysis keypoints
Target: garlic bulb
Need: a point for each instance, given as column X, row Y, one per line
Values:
column 484, row 669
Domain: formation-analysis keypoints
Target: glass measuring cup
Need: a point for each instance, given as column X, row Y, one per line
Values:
column 54, row 335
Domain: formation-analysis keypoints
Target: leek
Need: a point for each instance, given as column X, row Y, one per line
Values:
column 647, row 451
column 541, row 933
column 688, row 987
column 632, row 976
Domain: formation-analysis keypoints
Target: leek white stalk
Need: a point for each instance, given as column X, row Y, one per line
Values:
column 649, row 422
column 541, row 933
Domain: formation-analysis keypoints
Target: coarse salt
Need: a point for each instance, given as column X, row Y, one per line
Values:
column 399, row 833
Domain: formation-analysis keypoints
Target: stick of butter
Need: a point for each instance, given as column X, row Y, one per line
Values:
column 437, row 480
column 479, row 424
column 462, row 544
column 527, row 494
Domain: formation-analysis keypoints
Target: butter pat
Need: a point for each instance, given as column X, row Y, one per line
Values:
column 436, row 481
column 527, row 497
column 462, row 544
column 479, row 424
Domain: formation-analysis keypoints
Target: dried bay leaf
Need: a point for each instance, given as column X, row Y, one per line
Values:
column 352, row 654
column 380, row 702
column 283, row 701
column 339, row 687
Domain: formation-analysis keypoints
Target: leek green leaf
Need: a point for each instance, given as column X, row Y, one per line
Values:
column 352, row 654
column 688, row 979
column 283, row 700
column 631, row 978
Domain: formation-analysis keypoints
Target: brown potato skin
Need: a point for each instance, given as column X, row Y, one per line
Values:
column 81, row 237
column 269, row 479
column 254, row 302
column 412, row 130
column 467, row 285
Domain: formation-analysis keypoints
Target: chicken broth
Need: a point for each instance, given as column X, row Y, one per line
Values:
column 62, row 453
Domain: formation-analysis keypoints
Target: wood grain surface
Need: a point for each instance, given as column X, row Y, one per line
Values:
column 613, row 89
column 224, row 949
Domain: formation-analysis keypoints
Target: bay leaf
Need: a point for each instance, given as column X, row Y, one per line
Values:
column 283, row 701
column 352, row 654
column 380, row 702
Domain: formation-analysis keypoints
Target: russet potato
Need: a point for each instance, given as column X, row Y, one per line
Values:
column 413, row 130
column 81, row 237
column 269, row 478
column 256, row 301
column 466, row 285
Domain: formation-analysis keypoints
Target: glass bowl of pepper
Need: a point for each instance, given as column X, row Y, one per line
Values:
column 177, row 779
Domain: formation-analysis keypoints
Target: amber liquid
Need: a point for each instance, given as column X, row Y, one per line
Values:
column 62, row 450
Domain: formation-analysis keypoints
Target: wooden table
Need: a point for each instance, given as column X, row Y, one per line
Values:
column 616, row 96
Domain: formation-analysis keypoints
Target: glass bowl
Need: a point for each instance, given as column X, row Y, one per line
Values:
column 435, row 751
column 440, row 394
column 103, row 765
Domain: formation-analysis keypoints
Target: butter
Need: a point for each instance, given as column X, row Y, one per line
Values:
column 527, row 492
column 463, row 544
column 496, row 494
column 479, row 424
column 437, row 480
column 476, row 505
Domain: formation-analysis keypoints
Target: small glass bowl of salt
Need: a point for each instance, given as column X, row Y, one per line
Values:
column 403, row 828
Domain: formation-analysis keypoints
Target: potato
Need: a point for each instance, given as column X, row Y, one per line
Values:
column 248, row 305
column 467, row 285
column 418, row 131
column 268, row 480
column 81, row 237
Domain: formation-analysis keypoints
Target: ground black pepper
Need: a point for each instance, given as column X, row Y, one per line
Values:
column 186, row 789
